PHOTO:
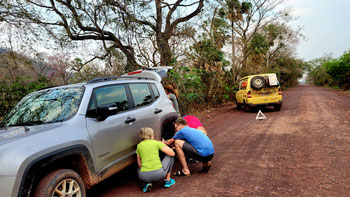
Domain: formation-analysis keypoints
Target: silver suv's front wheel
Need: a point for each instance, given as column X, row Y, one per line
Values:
column 63, row 182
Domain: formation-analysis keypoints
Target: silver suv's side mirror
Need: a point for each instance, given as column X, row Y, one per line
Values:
column 105, row 111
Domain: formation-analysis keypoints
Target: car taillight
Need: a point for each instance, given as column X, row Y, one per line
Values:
column 279, row 92
column 135, row 72
column 249, row 95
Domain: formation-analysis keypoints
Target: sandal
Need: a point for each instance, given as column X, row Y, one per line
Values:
column 181, row 173
column 205, row 169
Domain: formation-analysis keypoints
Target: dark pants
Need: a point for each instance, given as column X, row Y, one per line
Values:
column 193, row 153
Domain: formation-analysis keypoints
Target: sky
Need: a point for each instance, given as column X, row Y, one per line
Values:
column 326, row 26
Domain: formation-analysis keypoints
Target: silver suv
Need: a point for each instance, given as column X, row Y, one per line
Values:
column 59, row 141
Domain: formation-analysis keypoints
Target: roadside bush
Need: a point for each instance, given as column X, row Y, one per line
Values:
column 289, row 71
column 200, row 89
column 339, row 70
column 331, row 72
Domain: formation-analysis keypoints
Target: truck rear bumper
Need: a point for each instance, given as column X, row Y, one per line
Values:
column 264, row 104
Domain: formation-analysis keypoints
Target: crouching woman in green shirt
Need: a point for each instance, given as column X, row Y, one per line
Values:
column 151, row 169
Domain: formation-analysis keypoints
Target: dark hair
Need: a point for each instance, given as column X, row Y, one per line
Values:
column 171, row 89
column 181, row 121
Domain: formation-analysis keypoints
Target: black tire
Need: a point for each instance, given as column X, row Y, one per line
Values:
column 277, row 107
column 65, row 181
column 238, row 106
column 245, row 107
column 258, row 82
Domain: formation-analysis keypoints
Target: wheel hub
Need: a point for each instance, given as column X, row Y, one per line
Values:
column 67, row 188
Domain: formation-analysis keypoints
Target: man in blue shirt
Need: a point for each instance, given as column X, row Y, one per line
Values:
column 193, row 143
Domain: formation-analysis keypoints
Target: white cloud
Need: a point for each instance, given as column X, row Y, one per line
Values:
column 300, row 11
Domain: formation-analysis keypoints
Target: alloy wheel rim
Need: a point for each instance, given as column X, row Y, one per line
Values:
column 67, row 188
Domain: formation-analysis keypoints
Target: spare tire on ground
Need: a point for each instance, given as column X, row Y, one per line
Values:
column 258, row 82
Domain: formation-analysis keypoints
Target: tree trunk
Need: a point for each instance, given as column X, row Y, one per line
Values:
column 164, row 50
column 234, row 68
column 131, row 64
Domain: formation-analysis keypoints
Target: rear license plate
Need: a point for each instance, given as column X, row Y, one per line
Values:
column 264, row 94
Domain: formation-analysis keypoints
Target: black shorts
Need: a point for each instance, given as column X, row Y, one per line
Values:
column 192, row 152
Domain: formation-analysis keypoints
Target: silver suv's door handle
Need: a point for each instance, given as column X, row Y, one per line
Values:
column 129, row 120
column 157, row 111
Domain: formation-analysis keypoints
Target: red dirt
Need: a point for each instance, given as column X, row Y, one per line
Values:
column 302, row 150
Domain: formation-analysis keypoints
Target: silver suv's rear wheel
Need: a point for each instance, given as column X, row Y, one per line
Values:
column 63, row 182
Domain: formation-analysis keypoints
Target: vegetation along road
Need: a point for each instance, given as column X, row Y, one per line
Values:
column 302, row 150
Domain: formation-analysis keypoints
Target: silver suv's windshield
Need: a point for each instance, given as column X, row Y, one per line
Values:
column 46, row 106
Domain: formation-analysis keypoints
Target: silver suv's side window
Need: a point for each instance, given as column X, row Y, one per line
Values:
column 155, row 90
column 112, row 94
column 115, row 94
column 141, row 94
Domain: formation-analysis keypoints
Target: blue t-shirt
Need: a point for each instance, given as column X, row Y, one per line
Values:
column 197, row 139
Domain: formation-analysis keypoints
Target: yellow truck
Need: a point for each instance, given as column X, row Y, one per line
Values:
column 259, row 90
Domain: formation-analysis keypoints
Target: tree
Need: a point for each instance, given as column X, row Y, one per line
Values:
column 326, row 71
column 61, row 68
column 207, row 48
column 165, row 25
column 289, row 70
column 73, row 20
column 247, row 19
column 113, row 23
column 234, row 10
column 317, row 73
column 269, row 44
column 339, row 70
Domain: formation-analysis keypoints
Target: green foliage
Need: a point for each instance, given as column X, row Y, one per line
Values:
column 339, row 70
column 326, row 71
column 199, row 89
column 259, row 44
column 207, row 52
column 236, row 9
column 318, row 76
column 317, row 73
column 289, row 71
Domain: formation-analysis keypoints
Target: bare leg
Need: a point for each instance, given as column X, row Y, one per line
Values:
column 167, row 177
column 206, row 164
column 181, row 156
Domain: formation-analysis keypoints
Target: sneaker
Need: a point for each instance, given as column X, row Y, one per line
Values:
column 147, row 187
column 169, row 183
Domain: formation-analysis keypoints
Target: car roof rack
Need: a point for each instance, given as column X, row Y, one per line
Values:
column 116, row 77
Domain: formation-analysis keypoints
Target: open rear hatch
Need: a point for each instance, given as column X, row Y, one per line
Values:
column 271, row 88
column 155, row 73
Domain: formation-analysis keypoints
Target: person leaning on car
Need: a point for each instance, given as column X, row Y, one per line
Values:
column 194, row 122
column 193, row 143
column 173, row 94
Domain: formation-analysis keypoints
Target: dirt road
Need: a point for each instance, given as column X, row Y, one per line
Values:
column 302, row 150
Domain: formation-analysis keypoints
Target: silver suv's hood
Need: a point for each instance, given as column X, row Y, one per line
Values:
column 10, row 133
